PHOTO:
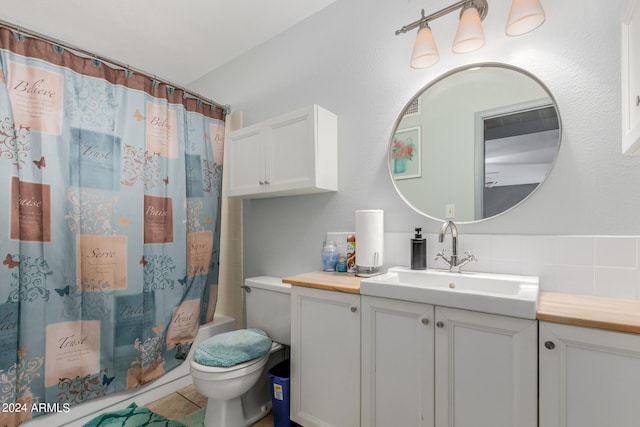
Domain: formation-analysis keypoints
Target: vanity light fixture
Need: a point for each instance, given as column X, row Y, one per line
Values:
column 425, row 52
column 469, row 36
column 524, row 16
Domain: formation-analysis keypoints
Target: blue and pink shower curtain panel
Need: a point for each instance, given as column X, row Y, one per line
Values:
column 110, row 188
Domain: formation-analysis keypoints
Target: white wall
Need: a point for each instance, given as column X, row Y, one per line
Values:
column 347, row 59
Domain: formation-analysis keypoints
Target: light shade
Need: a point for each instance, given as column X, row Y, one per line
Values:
column 524, row 16
column 470, row 35
column 425, row 52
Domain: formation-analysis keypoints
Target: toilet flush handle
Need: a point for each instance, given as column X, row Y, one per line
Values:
column 246, row 289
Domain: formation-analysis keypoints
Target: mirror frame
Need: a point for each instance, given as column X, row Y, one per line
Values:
column 439, row 79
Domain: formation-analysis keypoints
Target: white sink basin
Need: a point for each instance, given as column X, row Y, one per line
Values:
column 505, row 294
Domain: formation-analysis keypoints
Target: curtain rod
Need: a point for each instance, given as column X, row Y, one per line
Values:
column 33, row 34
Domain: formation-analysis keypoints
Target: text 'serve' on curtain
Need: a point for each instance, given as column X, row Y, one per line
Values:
column 110, row 190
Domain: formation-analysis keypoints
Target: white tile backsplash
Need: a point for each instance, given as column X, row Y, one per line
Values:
column 547, row 273
column 576, row 250
column 616, row 252
column 479, row 245
column 572, row 279
column 397, row 248
column 506, row 267
column 506, row 248
column 539, row 249
column 616, row 282
column 590, row 265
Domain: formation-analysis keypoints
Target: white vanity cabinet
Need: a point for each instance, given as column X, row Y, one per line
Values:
column 295, row 153
column 588, row 377
column 325, row 358
column 631, row 79
column 486, row 370
column 435, row 366
column 397, row 363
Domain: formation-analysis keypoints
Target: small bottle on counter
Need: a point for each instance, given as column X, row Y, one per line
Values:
column 418, row 251
column 341, row 267
column 351, row 253
column 329, row 255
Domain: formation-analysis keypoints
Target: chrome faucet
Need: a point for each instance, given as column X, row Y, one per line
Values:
column 455, row 264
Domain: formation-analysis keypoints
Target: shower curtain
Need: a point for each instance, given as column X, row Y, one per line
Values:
column 110, row 187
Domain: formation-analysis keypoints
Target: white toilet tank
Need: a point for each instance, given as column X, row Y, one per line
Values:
column 268, row 307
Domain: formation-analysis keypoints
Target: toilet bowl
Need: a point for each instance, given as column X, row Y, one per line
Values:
column 226, row 388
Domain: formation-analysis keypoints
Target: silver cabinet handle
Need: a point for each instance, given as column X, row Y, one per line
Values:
column 549, row 345
column 353, row 308
column 638, row 101
column 440, row 324
column 425, row 321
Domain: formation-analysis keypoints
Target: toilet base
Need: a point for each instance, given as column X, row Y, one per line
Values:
column 224, row 413
column 253, row 405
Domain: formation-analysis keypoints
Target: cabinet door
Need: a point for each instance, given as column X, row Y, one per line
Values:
column 325, row 358
column 588, row 377
column 397, row 363
column 246, row 161
column 486, row 370
column 290, row 151
column 631, row 79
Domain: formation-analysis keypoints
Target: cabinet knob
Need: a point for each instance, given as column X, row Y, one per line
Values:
column 261, row 182
column 354, row 308
column 549, row 345
column 425, row 321
column 266, row 182
column 440, row 324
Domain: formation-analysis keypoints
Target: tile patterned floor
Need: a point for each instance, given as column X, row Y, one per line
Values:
column 188, row 400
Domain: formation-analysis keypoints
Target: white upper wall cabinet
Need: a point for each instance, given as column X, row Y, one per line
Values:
column 296, row 153
column 631, row 80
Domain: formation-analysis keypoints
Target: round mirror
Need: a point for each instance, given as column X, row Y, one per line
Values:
column 474, row 143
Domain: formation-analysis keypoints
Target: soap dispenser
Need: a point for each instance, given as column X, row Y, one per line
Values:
column 418, row 251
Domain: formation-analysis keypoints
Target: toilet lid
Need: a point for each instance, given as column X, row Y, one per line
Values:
column 232, row 348
column 216, row 369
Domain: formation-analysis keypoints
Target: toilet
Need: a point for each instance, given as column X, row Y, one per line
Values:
column 240, row 394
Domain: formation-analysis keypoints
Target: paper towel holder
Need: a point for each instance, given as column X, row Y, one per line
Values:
column 370, row 238
column 369, row 271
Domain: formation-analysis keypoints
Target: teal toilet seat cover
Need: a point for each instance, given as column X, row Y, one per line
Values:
column 230, row 348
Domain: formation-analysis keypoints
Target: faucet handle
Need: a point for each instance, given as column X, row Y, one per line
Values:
column 442, row 256
column 470, row 256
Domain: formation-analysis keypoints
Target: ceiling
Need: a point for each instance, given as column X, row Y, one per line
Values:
column 178, row 41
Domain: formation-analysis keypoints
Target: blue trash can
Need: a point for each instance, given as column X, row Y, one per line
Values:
column 280, row 378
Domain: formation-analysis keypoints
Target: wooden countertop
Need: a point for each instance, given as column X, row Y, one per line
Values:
column 328, row 280
column 595, row 312
column 580, row 310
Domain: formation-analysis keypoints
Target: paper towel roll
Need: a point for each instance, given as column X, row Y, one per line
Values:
column 369, row 238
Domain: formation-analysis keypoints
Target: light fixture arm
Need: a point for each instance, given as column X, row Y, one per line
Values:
column 481, row 5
